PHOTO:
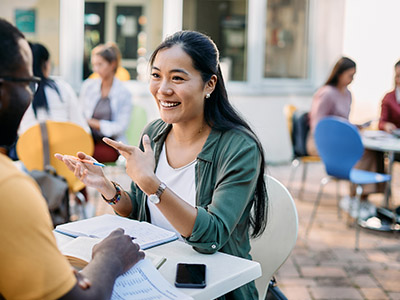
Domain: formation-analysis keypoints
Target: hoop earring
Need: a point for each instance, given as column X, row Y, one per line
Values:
column 208, row 96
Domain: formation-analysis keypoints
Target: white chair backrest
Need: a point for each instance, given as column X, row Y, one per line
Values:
column 279, row 238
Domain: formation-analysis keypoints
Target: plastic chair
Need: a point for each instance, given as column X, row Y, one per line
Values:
column 340, row 147
column 297, row 122
column 137, row 122
column 274, row 246
column 65, row 138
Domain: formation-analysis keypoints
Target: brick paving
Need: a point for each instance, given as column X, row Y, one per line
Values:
column 326, row 266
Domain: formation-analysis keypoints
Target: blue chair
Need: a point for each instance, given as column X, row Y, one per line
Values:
column 340, row 147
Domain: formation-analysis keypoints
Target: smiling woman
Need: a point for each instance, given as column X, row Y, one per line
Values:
column 199, row 169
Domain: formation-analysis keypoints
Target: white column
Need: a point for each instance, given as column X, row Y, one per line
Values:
column 256, row 41
column 71, row 41
column 172, row 16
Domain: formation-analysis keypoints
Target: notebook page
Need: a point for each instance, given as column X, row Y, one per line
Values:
column 144, row 282
column 145, row 234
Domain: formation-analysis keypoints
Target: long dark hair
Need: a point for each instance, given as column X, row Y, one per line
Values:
column 40, row 56
column 218, row 112
column 342, row 65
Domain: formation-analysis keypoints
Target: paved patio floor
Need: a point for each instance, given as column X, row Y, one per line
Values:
column 326, row 266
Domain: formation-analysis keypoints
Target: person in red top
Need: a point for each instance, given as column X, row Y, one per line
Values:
column 390, row 112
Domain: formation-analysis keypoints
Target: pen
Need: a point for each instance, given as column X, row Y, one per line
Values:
column 86, row 161
column 161, row 263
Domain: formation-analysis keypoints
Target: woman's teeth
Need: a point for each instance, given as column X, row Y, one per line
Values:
column 169, row 104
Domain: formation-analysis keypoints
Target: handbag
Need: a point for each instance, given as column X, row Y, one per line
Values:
column 274, row 292
column 54, row 187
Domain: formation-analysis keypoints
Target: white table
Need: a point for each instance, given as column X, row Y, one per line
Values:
column 384, row 142
column 224, row 272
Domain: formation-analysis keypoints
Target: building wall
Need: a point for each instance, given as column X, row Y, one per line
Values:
column 361, row 29
column 262, row 105
column 371, row 39
column 46, row 23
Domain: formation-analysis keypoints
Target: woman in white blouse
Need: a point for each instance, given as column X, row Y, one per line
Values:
column 107, row 103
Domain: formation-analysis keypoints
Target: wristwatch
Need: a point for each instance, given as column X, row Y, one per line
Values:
column 155, row 198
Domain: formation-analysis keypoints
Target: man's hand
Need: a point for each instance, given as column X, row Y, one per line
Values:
column 120, row 247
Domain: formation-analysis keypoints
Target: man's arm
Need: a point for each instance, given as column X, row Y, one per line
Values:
column 111, row 258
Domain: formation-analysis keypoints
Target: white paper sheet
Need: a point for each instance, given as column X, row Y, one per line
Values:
column 144, row 282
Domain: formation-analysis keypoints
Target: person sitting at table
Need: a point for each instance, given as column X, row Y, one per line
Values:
column 334, row 99
column 32, row 267
column 199, row 170
column 390, row 107
column 54, row 100
column 107, row 103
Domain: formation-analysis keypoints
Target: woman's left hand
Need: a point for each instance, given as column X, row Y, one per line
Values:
column 140, row 164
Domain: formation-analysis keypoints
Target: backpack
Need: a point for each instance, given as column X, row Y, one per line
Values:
column 300, row 131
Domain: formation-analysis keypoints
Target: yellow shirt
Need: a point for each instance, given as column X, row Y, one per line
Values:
column 31, row 266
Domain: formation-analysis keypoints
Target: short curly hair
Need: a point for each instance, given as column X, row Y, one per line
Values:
column 10, row 54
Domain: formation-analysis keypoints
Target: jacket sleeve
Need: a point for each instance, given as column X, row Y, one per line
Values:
column 232, row 197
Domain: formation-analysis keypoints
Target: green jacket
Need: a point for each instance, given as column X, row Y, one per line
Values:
column 226, row 176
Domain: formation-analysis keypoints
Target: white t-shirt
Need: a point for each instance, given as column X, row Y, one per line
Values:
column 180, row 180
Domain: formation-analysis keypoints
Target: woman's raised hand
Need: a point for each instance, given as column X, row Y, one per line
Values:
column 91, row 175
column 140, row 164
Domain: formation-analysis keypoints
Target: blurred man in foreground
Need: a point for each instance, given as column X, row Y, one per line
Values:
column 31, row 265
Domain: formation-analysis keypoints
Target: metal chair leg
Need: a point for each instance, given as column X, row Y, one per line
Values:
column 82, row 203
column 338, row 199
column 359, row 190
column 324, row 181
column 303, row 180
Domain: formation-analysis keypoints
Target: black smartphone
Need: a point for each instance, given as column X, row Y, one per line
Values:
column 190, row 275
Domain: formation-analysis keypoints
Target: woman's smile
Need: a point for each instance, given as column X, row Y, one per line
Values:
column 168, row 104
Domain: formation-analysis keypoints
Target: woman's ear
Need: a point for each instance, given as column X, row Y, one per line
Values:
column 210, row 86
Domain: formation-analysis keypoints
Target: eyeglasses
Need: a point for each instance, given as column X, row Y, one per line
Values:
column 33, row 81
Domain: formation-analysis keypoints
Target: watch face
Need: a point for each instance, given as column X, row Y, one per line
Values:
column 154, row 199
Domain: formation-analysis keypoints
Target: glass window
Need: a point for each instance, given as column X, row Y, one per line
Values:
column 286, row 49
column 130, row 36
column 94, row 21
column 135, row 27
column 225, row 22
